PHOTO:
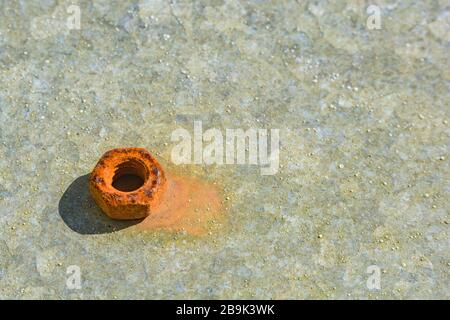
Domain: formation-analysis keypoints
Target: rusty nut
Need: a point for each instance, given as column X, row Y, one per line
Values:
column 127, row 183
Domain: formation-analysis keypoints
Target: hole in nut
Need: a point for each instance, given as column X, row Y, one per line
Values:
column 129, row 176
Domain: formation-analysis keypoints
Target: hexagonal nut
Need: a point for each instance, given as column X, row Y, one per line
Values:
column 127, row 183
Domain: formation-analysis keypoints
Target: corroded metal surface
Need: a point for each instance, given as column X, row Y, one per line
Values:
column 133, row 204
column 363, row 119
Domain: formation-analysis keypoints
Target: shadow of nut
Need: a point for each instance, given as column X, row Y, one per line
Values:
column 127, row 183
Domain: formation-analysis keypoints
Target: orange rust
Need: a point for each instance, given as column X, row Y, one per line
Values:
column 167, row 202
column 123, row 204
column 189, row 205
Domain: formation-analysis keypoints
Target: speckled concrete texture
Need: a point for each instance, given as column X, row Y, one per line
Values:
column 363, row 119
